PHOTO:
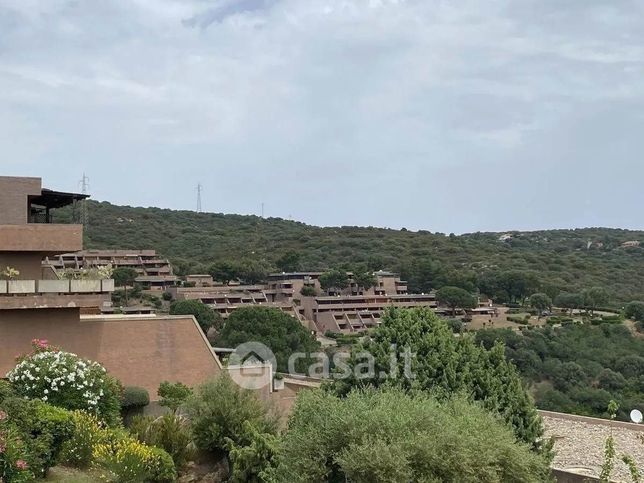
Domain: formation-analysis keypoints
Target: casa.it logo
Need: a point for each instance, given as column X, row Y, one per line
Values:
column 248, row 363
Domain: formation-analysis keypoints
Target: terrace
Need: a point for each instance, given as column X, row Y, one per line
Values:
column 30, row 294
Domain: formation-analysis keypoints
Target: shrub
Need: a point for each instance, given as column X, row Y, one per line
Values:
column 88, row 432
column 173, row 395
column 388, row 435
column 307, row 291
column 42, row 428
column 218, row 410
column 169, row 432
column 63, row 379
column 13, row 453
column 129, row 461
column 135, row 397
column 167, row 296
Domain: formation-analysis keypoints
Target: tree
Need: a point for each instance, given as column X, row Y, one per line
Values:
column 444, row 365
column 336, row 280
column 635, row 311
column 253, row 271
column 277, row 330
column 224, row 271
column 206, row 316
column 364, row 280
column 595, row 297
column 124, row 277
column 570, row 301
column 388, row 435
column 225, row 417
column 518, row 285
column 289, row 262
column 541, row 302
column 455, row 297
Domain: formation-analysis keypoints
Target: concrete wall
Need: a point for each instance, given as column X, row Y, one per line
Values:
column 13, row 198
column 46, row 238
column 29, row 264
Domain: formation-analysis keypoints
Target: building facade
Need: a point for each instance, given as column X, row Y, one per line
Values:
column 35, row 303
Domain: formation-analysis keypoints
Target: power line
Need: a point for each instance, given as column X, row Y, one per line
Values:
column 84, row 215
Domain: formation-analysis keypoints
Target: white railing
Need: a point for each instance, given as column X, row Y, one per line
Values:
column 21, row 287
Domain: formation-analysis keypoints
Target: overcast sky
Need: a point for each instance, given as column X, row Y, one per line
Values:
column 450, row 116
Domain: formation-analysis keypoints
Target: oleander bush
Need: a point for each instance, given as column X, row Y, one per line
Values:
column 65, row 380
column 14, row 467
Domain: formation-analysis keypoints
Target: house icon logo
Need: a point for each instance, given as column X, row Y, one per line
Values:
column 252, row 365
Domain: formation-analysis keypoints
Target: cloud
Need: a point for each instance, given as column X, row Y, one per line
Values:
column 417, row 113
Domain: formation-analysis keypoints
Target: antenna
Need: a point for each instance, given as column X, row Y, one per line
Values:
column 636, row 416
column 262, row 209
column 199, row 190
column 84, row 216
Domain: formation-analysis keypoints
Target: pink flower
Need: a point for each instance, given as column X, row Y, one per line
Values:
column 21, row 465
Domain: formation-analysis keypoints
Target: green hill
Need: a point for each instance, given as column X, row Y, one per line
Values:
column 552, row 260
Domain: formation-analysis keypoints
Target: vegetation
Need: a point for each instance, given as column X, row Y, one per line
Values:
column 443, row 365
column 135, row 397
column 548, row 261
column 577, row 368
column 170, row 432
column 455, row 297
column 36, row 436
column 206, row 316
column 225, row 417
column 334, row 280
column 280, row 332
column 65, row 380
column 173, row 395
column 124, row 277
column 388, row 435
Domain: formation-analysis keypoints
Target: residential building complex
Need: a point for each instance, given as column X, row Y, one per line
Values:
column 353, row 310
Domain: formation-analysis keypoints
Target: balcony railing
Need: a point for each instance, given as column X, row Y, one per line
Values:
column 34, row 287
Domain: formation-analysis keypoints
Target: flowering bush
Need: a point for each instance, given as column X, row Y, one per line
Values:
column 63, row 379
column 13, row 469
column 88, row 432
column 41, row 427
column 126, row 460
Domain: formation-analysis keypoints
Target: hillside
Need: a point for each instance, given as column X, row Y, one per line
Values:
column 556, row 260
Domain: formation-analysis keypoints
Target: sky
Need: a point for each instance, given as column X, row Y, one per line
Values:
column 442, row 115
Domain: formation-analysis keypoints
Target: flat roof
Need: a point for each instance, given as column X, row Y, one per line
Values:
column 56, row 199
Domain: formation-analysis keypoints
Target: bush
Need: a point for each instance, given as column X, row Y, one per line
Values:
column 65, row 380
column 129, row 461
column 388, row 435
column 135, row 397
column 307, row 291
column 167, row 296
column 169, row 432
column 88, row 432
column 173, row 395
column 43, row 429
column 13, row 467
column 218, row 410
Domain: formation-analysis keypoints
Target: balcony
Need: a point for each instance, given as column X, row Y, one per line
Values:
column 43, row 238
column 33, row 294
